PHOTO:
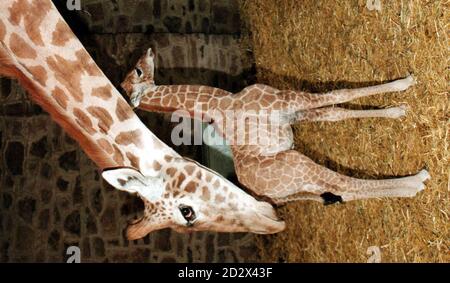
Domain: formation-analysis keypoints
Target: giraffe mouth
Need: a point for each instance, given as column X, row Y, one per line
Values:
column 272, row 227
column 265, row 220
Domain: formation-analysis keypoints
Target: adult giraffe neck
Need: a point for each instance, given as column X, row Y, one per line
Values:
column 39, row 49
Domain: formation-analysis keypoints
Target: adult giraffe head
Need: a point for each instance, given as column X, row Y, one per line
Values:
column 186, row 197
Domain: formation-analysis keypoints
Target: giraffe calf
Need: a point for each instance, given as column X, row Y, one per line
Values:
column 275, row 170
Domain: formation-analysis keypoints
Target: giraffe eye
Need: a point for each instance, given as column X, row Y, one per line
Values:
column 139, row 72
column 187, row 212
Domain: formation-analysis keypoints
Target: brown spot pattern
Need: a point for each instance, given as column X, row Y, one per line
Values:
column 26, row 10
column 191, row 187
column 180, row 180
column 123, row 110
column 156, row 165
column 39, row 74
column 67, row 73
column 103, row 92
column 60, row 97
column 61, row 35
column 130, row 137
column 20, row 48
column 118, row 156
column 134, row 160
column 104, row 118
column 206, row 196
column 171, row 171
column 189, row 169
column 83, row 120
column 105, row 145
column 219, row 199
column 87, row 63
column 2, row 31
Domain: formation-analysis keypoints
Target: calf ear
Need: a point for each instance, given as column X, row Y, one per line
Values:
column 150, row 53
column 125, row 179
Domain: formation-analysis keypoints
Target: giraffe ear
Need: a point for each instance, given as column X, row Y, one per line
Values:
column 125, row 179
column 150, row 52
column 132, row 181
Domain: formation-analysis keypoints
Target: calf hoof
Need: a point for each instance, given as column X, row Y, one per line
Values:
column 330, row 198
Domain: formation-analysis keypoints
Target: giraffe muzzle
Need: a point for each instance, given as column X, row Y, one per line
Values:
column 265, row 220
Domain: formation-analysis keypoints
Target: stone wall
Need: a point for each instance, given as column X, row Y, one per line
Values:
column 52, row 197
column 162, row 16
column 51, row 194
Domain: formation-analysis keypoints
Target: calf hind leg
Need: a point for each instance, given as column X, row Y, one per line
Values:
column 345, row 95
column 338, row 114
column 290, row 175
